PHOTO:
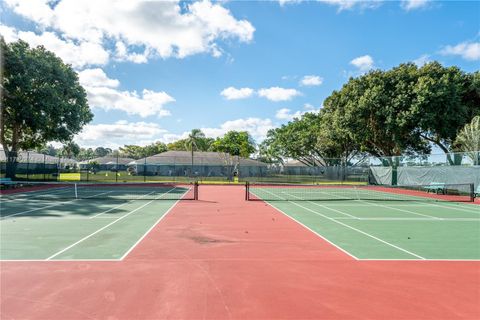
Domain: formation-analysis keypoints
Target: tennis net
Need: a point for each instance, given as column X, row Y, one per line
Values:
column 297, row 192
column 93, row 191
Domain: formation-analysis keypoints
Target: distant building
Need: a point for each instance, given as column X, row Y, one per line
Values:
column 205, row 164
column 107, row 163
column 31, row 162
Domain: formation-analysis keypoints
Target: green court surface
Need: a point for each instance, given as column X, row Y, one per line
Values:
column 67, row 229
column 384, row 230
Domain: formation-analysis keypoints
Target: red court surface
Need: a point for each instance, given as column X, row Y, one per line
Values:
column 226, row 258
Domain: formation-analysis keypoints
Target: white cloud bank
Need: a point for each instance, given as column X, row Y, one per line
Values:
column 341, row 4
column 257, row 128
column 139, row 29
column 232, row 93
column 311, row 80
column 142, row 133
column 118, row 134
column 102, row 93
column 78, row 54
column 409, row 5
column 278, row 94
column 467, row 50
column 287, row 114
column 363, row 63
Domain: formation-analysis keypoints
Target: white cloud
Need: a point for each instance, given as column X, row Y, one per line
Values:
column 363, row 63
column 311, row 80
column 278, row 94
column 97, row 78
column 232, row 93
column 423, row 59
column 341, row 4
column 257, row 127
column 467, row 50
column 286, row 114
column 146, row 29
column 102, row 93
column 78, row 54
column 414, row 4
column 119, row 133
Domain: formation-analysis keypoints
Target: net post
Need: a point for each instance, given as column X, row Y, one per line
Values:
column 195, row 190
column 472, row 192
column 247, row 190
column 76, row 191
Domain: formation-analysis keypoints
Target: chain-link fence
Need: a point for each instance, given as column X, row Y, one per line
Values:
column 219, row 167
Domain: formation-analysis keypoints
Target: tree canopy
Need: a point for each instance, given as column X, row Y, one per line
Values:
column 42, row 100
column 400, row 111
column 137, row 152
column 235, row 143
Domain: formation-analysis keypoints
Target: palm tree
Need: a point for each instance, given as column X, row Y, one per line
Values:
column 191, row 143
column 468, row 140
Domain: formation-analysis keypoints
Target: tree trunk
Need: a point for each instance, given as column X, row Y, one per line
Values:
column 11, row 165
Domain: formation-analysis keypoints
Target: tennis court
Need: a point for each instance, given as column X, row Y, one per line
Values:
column 377, row 223
column 131, row 251
column 62, row 221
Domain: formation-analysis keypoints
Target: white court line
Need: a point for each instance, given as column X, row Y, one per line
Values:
column 63, row 260
column 376, row 204
column 362, row 232
column 355, row 229
column 148, row 231
column 93, row 233
column 402, row 210
column 322, row 206
column 458, row 209
column 408, row 219
column 50, row 206
column 24, row 196
column 311, row 230
column 123, row 204
column 104, row 227
column 314, row 232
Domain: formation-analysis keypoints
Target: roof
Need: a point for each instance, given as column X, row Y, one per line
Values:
column 199, row 158
column 109, row 160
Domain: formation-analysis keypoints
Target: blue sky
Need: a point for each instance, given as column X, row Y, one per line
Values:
column 153, row 71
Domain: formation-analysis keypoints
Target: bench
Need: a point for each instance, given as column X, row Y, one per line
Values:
column 436, row 187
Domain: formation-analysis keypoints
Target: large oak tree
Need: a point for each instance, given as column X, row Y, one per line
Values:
column 41, row 101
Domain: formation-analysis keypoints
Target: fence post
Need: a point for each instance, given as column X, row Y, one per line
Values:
column 44, row 167
column 145, row 170
column 28, row 164
column 116, row 170
column 58, row 168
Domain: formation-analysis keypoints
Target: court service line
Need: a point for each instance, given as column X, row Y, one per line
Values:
column 123, row 204
column 322, row 206
column 312, row 231
column 458, row 209
column 402, row 210
column 148, row 231
column 97, row 231
column 408, row 219
column 24, row 196
column 378, row 205
column 104, row 227
column 355, row 229
column 50, row 206
column 360, row 231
